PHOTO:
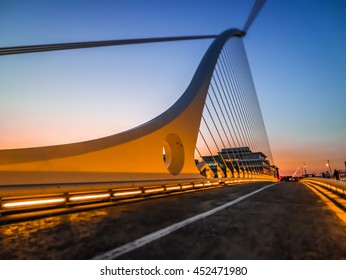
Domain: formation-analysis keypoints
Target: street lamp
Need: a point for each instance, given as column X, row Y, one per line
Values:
column 304, row 169
column 328, row 165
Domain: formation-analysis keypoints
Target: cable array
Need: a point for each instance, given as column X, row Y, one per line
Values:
column 232, row 135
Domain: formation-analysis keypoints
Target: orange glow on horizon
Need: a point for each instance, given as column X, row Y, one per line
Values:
column 290, row 162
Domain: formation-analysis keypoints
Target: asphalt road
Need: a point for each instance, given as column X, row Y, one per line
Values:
column 285, row 221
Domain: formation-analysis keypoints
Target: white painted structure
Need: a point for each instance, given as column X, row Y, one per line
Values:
column 133, row 155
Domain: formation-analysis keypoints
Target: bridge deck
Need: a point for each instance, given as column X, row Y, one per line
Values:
column 285, row 221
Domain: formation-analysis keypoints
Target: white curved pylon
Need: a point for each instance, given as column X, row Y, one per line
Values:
column 133, row 155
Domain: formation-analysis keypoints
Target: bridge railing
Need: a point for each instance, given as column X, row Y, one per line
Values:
column 15, row 199
column 331, row 184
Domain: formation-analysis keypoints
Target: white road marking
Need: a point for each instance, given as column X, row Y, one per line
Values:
column 112, row 254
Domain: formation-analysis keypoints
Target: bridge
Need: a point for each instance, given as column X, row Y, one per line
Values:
column 206, row 158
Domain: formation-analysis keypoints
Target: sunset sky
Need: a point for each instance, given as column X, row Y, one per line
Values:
column 296, row 50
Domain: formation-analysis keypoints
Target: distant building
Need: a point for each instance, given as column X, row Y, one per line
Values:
column 275, row 169
column 242, row 159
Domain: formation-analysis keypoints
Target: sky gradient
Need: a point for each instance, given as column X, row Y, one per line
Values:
column 296, row 51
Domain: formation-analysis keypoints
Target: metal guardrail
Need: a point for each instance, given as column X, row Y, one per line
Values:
column 15, row 199
column 338, row 186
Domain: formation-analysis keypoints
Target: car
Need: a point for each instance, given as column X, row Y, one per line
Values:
column 285, row 178
column 289, row 179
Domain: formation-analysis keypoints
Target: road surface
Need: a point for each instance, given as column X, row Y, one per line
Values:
column 284, row 221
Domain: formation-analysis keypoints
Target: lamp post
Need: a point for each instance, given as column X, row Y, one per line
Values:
column 328, row 165
column 304, row 169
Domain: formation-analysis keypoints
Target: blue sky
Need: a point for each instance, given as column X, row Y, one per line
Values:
column 295, row 50
column 299, row 71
